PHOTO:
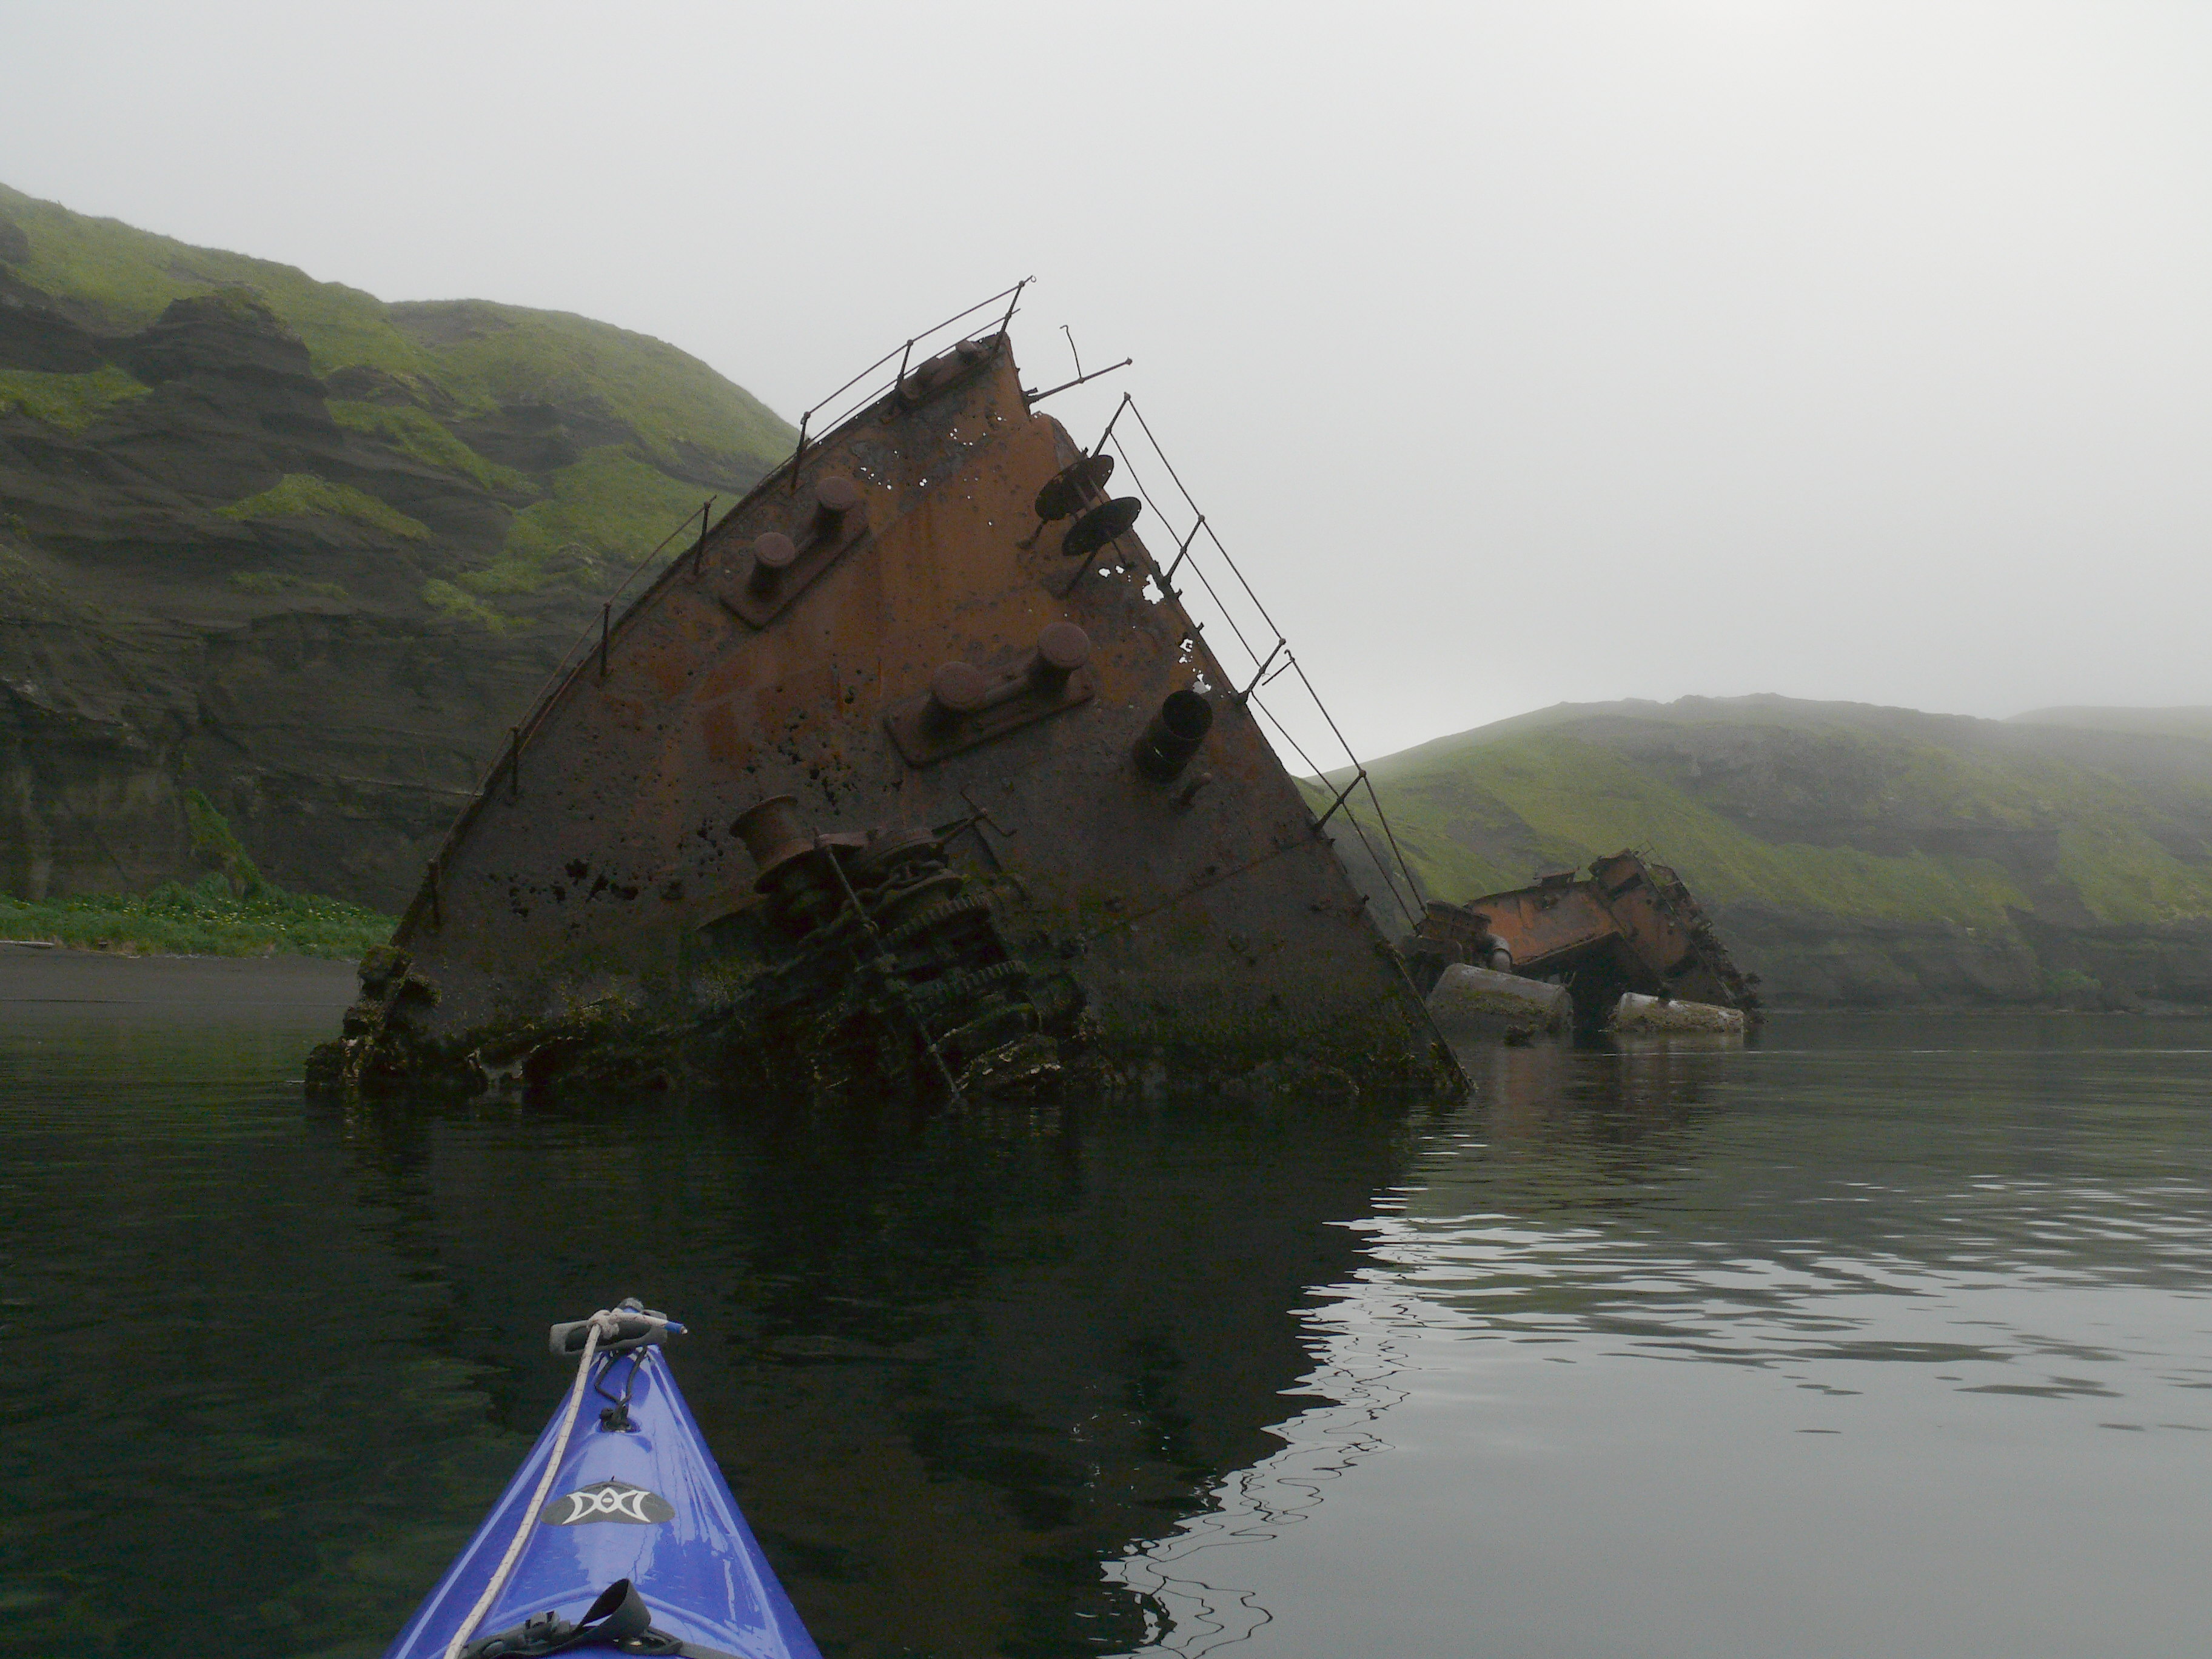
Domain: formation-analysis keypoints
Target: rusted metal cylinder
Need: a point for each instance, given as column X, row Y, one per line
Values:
column 957, row 690
column 1468, row 1003
column 772, row 831
column 835, row 495
column 1660, row 1015
column 773, row 553
column 1174, row 736
column 1061, row 648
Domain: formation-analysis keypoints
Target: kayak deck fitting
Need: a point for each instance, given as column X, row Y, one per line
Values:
column 617, row 1535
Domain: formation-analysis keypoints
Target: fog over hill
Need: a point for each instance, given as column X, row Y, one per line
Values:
column 1853, row 854
column 2166, row 722
column 310, row 553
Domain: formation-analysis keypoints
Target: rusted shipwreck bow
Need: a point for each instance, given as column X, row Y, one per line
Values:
column 913, row 771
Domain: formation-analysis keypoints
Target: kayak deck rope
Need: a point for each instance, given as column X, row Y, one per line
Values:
column 603, row 1323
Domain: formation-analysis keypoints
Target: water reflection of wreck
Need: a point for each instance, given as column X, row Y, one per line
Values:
column 915, row 768
column 955, row 1362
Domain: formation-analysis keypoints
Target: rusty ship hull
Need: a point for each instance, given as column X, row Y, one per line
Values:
column 913, row 771
column 1627, row 926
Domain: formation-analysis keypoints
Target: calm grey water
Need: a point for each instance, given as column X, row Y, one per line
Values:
column 1878, row 1336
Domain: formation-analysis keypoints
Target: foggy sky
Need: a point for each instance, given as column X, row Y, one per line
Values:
column 1522, row 352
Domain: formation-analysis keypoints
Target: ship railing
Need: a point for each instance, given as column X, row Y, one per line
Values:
column 593, row 642
column 865, row 388
column 839, row 406
column 1217, row 595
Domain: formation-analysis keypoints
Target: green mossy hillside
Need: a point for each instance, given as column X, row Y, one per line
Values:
column 462, row 356
column 1827, row 820
column 1496, row 814
column 590, row 441
column 604, row 514
column 457, row 605
column 312, row 552
column 415, row 433
column 514, row 356
column 1530, row 803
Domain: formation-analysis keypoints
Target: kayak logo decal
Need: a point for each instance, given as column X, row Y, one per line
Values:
column 608, row 1500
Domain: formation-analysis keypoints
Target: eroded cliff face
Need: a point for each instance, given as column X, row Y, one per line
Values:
column 334, row 717
column 1853, row 856
column 320, row 594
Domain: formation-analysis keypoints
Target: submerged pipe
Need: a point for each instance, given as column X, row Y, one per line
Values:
column 1174, row 736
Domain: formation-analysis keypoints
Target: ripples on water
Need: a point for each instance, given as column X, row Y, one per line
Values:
column 1882, row 1336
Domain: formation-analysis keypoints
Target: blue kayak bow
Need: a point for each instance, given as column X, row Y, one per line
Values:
column 622, row 1538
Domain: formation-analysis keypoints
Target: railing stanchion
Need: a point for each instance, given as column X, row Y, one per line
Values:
column 1012, row 303
column 1358, row 778
column 1245, row 695
column 1167, row 582
column 1099, row 448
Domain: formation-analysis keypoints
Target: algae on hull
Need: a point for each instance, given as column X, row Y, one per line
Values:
column 915, row 769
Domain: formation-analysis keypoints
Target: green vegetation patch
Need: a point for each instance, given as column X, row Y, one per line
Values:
column 213, row 839
column 203, row 919
column 2123, row 875
column 232, row 910
column 72, row 402
column 272, row 582
column 606, row 514
column 1876, row 815
column 304, row 495
column 448, row 600
column 458, row 358
column 1445, row 867
column 418, row 434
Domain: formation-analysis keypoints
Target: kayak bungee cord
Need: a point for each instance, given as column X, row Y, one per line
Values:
column 602, row 1323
